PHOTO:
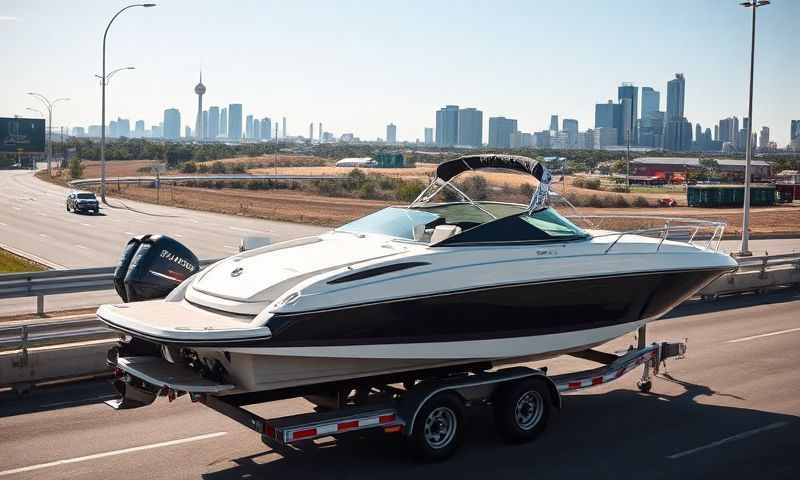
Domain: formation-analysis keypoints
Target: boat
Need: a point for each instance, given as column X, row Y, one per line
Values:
column 433, row 284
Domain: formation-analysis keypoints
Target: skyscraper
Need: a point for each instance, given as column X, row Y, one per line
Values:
column 256, row 129
column 391, row 133
column 630, row 113
column 311, row 131
column 677, row 130
column 470, row 127
column 763, row 140
column 235, row 121
column 676, row 90
column 651, row 101
column 428, row 135
column 284, row 128
column 223, row 122
column 500, row 130
column 553, row 123
column 266, row 128
column 248, row 129
column 187, row 132
column 213, row 123
column 609, row 115
column 447, row 126
column 200, row 90
column 729, row 130
column 794, row 134
column 570, row 126
column 319, row 132
column 123, row 127
column 205, row 125
column 138, row 131
column 172, row 124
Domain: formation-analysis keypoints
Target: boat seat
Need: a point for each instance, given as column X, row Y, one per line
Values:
column 442, row 232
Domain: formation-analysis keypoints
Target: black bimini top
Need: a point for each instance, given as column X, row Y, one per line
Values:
column 450, row 169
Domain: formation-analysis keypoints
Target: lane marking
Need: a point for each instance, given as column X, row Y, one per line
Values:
column 43, row 235
column 779, row 332
column 85, row 224
column 16, row 208
column 229, row 246
column 3, row 224
column 733, row 438
column 81, row 246
column 110, row 454
column 240, row 229
column 129, row 233
column 178, row 235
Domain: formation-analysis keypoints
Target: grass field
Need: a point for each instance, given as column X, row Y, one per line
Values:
column 10, row 263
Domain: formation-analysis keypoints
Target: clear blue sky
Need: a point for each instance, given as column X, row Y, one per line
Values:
column 356, row 66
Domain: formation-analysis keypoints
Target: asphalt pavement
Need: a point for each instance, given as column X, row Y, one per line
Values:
column 34, row 222
column 728, row 410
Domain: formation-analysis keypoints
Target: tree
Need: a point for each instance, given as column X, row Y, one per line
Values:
column 75, row 167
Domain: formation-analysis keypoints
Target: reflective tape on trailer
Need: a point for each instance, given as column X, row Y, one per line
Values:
column 306, row 432
column 591, row 381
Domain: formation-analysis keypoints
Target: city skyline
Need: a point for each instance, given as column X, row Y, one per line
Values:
column 529, row 92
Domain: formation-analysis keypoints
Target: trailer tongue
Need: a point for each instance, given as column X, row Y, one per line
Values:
column 428, row 412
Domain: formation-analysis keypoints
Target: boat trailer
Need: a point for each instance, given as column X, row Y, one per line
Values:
column 428, row 410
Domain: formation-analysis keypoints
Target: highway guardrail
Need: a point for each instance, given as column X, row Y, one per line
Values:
column 756, row 274
column 56, row 282
column 149, row 179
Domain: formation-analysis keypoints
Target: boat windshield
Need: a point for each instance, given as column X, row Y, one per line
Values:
column 392, row 221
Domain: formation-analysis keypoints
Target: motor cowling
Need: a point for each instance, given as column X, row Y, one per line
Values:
column 151, row 266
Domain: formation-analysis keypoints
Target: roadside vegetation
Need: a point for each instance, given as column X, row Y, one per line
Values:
column 10, row 263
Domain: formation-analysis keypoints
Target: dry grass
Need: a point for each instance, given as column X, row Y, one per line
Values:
column 10, row 263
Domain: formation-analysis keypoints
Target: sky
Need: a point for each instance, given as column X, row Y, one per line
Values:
column 357, row 66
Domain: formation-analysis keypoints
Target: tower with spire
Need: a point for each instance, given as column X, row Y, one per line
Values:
column 200, row 90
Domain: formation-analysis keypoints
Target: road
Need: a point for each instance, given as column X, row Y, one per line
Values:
column 34, row 220
column 728, row 410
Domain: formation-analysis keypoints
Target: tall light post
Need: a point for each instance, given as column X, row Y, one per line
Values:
column 49, row 105
column 744, row 251
column 103, row 81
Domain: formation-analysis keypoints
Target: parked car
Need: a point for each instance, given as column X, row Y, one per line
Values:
column 80, row 202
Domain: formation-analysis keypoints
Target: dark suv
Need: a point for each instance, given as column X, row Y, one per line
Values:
column 80, row 202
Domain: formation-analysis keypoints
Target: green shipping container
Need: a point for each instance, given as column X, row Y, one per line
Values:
column 389, row 160
column 729, row 195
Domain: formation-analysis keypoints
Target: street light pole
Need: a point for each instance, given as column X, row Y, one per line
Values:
column 103, row 81
column 49, row 105
column 744, row 251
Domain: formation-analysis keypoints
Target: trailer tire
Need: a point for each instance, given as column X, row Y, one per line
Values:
column 522, row 409
column 438, row 429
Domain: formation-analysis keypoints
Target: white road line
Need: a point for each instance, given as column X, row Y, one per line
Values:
column 85, row 224
column 16, row 208
column 738, row 436
column 43, row 235
column 229, row 246
column 81, row 246
column 779, row 332
column 3, row 224
column 129, row 233
column 240, row 229
column 110, row 454
column 178, row 235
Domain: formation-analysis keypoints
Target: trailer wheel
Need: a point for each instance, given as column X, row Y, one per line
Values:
column 438, row 429
column 522, row 409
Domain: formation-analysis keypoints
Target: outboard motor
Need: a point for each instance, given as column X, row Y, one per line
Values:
column 151, row 266
column 124, row 263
